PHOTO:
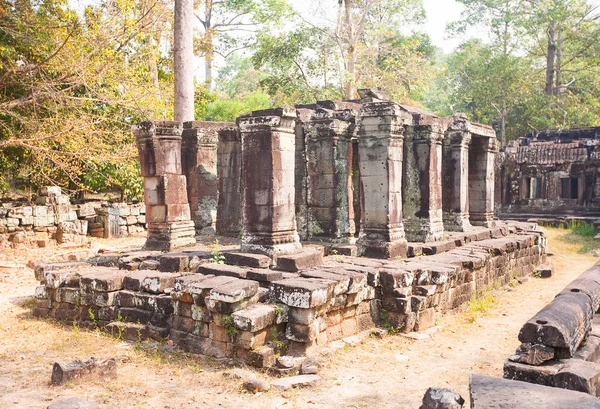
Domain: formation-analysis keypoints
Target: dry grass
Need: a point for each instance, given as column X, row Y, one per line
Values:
column 371, row 375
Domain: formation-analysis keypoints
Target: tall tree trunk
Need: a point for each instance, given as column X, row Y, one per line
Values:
column 208, row 63
column 558, row 67
column 153, row 64
column 550, row 58
column 183, row 53
column 350, row 88
column 503, row 122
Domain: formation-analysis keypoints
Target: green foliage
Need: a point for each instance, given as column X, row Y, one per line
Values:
column 582, row 228
column 230, row 109
column 230, row 328
column 216, row 256
column 71, row 86
column 384, row 322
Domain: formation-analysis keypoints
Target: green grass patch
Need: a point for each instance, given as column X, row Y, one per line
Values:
column 581, row 228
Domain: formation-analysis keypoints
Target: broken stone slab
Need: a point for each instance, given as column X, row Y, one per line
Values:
column 234, row 291
column 299, row 261
column 590, row 350
column 438, row 247
column 340, row 283
column 78, row 369
column 201, row 289
column 41, row 269
column 533, row 354
column 563, row 324
column 222, row 270
column 301, row 293
column 497, row 393
column 264, row 275
column 283, row 384
column 247, row 259
column 101, row 279
column 442, row 398
column 182, row 282
column 541, row 374
column 581, row 376
column 74, row 403
column 179, row 262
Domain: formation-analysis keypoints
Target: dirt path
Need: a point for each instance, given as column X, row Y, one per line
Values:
column 389, row 373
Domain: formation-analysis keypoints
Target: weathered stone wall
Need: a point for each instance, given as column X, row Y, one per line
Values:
column 248, row 310
column 53, row 217
column 551, row 173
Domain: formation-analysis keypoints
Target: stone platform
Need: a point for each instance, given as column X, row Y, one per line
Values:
column 254, row 306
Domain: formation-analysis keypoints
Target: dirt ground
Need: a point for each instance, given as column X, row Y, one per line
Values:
column 393, row 372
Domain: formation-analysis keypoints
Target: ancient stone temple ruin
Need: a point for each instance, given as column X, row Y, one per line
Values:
column 550, row 173
column 307, row 190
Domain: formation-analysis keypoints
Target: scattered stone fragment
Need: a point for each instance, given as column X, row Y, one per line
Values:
column 284, row 384
column 545, row 271
column 533, row 354
column 74, row 403
column 77, row 369
column 441, row 398
column 256, row 385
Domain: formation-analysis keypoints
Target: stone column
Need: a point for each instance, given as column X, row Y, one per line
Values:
column 456, row 176
column 230, row 203
column 165, row 193
column 268, row 158
column 303, row 112
column 330, row 194
column 199, row 163
column 422, row 185
column 381, row 134
column 481, row 180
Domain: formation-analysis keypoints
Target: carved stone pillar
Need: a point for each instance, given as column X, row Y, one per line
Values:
column 330, row 194
column 165, row 193
column 229, row 163
column 481, row 180
column 381, row 135
column 456, row 176
column 199, row 163
column 268, row 157
column 422, row 185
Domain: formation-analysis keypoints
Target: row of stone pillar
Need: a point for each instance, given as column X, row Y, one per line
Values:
column 297, row 173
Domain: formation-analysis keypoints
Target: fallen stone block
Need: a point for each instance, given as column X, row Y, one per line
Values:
column 63, row 373
column 74, row 403
column 182, row 282
column 562, row 324
column 545, row 271
column 441, row 398
column 299, row 261
column 497, row 393
column 283, row 384
column 263, row 357
column 590, row 350
column 578, row 375
column 533, row 354
column 247, row 259
column 541, row 374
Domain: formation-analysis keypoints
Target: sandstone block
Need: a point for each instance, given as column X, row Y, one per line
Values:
column 301, row 293
column 299, row 261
